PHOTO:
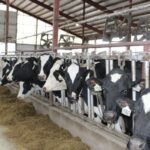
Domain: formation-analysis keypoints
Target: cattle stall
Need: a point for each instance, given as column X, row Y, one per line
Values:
column 63, row 112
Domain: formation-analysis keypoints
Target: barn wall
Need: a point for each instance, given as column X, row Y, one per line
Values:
column 12, row 25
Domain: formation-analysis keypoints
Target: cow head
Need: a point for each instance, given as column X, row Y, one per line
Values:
column 79, row 83
column 25, row 88
column 141, row 133
column 45, row 62
column 24, row 71
column 136, row 143
column 55, row 80
column 6, row 69
column 116, row 88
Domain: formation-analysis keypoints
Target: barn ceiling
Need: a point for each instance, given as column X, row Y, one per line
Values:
column 73, row 11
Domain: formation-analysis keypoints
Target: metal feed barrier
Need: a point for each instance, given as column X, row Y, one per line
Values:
column 109, row 59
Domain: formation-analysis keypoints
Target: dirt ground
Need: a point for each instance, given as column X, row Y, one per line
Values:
column 30, row 131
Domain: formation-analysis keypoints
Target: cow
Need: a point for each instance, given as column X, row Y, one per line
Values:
column 6, row 67
column 117, row 89
column 140, row 139
column 74, row 76
column 45, row 62
column 26, row 73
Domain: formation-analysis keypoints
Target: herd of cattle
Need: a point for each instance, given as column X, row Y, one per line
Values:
column 115, row 106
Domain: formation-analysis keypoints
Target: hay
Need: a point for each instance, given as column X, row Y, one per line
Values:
column 32, row 131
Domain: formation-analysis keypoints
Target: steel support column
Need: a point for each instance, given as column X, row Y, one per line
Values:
column 6, row 26
column 55, row 24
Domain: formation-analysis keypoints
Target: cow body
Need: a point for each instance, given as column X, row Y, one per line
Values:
column 140, row 139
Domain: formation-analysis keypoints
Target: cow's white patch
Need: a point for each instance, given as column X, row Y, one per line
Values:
column 43, row 59
column 73, row 69
column 120, row 125
column 115, row 77
column 73, row 95
column 97, row 88
column 51, row 83
column 2, row 65
column 146, row 102
column 137, row 88
column 126, row 111
column 20, row 93
column 10, row 76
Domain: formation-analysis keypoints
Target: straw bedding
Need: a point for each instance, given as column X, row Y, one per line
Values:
column 30, row 130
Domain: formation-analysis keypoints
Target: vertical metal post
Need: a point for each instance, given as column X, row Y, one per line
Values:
column 111, row 64
column 107, row 66
column 133, row 67
column 146, row 70
column 90, row 106
column 63, row 98
column 56, row 4
column 6, row 26
column 111, row 61
column 36, row 35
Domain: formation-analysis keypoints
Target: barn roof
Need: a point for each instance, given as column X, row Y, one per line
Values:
column 73, row 11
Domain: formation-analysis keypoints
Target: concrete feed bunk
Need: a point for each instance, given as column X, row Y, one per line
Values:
column 33, row 131
column 98, row 137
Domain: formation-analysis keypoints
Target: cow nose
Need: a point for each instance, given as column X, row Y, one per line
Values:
column 44, row 89
column 42, row 77
column 136, row 143
column 73, row 95
column 109, row 116
column 8, row 79
column 20, row 97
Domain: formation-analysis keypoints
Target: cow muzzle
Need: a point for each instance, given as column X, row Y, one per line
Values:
column 9, row 78
column 44, row 89
column 109, row 116
column 136, row 144
column 42, row 77
column 72, row 97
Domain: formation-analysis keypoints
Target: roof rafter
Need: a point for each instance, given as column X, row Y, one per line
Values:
column 66, row 16
column 39, row 18
column 104, row 9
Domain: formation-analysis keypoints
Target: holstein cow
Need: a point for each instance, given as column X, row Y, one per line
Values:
column 45, row 62
column 47, row 66
column 74, row 76
column 140, row 139
column 6, row 67
column 27, row 74
column 117, row 89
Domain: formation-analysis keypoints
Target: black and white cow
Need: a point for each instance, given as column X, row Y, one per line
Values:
column 45, row 62
column 117, row 89
column 140, row 139
column 74, row 76
column 25, row 72
column 6, row 67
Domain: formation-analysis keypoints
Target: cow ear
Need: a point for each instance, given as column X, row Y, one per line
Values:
column 139, row 86
column 56, row 75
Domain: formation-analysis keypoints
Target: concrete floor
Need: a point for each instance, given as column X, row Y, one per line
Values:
column 5, row 143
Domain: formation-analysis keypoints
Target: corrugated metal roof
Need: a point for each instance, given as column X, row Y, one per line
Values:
column 72, row 11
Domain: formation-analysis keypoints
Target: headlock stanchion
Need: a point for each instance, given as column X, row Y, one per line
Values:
column 133, row 67
column 146, row 66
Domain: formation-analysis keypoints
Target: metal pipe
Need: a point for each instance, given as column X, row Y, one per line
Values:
column 111, row 64
column 6, row 26
column 56, row 4
column 121, row 12
column 89, row 93
column 133, row 67
column 146, row 66
column 120, row 44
